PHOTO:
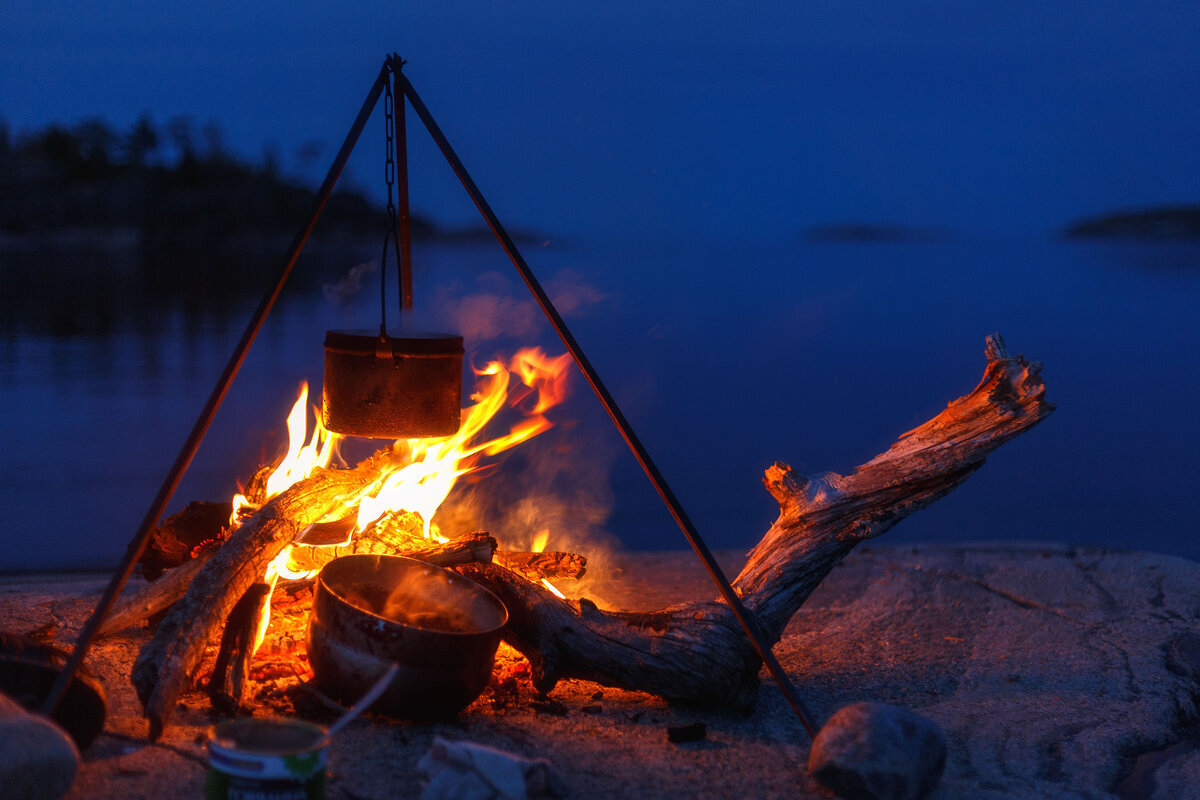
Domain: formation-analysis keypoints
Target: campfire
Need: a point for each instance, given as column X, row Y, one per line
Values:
column 693, row 653
column 298, row 514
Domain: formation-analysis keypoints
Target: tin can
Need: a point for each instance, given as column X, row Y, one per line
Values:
column 266, row 759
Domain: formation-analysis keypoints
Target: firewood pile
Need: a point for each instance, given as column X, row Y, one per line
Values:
column 211, row 591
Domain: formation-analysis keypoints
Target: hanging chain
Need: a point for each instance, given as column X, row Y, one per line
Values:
column 389, row 178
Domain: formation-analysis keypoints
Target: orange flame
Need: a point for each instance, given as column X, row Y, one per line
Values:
column 300, row 460
column 540, row 540
column 434, row 465
column 422, row 480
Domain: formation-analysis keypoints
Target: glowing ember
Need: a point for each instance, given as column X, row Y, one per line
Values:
column 425, row 470
column 539, row 546
column 553, row 589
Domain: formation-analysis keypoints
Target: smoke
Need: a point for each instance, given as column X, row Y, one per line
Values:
column 423, row 597
column 556, row 484
column 345, row 289
column 493, row 306
column 555, row 487
column 483, row 316
column 571, row 295
column 499, row 306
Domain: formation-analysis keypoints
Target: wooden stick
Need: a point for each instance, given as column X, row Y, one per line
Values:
column 227, row 685
column 154, row 597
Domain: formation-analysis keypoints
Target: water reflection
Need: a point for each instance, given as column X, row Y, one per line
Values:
column 725, row 359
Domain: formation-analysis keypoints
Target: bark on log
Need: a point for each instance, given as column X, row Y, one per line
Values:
column 696, row 652
column 536, row 566
column 154, row 597
column 167, row 662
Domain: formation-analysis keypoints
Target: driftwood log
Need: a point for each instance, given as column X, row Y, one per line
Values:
column 695, row 652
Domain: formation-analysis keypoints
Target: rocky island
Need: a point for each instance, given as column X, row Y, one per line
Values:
column 1162, row 223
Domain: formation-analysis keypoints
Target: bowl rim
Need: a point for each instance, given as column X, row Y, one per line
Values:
column 323, row 585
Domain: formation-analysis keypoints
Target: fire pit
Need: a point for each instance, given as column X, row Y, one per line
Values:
column 370, row 611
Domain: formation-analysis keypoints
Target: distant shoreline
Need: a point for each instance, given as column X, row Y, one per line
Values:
column 1163, row 223
column 155, row 190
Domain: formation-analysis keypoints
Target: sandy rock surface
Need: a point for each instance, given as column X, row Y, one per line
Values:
column 1054, row 672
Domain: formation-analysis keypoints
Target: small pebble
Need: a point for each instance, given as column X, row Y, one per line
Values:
column 549, row 706
column 687, row 733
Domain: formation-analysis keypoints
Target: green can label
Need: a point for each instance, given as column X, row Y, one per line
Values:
column 261, row 759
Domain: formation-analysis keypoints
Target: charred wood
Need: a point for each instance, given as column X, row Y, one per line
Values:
column 536, row 566
column 227, row 685
column 173, row 542
column 198, row 527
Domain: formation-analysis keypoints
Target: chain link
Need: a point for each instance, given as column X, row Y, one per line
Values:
column 389, row 163
column 389, row 178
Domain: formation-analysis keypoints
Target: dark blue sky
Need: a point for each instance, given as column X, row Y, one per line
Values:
column 662, row 120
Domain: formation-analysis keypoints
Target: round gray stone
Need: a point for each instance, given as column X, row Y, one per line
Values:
column 875, row 751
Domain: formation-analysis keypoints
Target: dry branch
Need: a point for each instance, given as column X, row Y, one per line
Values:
column 695, row 652
column 154, row 597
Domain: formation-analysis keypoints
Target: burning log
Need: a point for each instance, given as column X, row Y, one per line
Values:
column 165, row 664
column 173, row 542
column 227, row 686
column 696, row 652
column 536, row 566
column 199, row 526
column 161, row 594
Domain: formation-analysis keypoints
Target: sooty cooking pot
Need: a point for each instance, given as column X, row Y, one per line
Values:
column 400, row 386
column 372, row 610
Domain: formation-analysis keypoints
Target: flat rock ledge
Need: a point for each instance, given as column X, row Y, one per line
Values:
column 1054, row 671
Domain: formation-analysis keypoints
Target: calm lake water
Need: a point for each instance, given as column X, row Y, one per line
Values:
column 725, row 358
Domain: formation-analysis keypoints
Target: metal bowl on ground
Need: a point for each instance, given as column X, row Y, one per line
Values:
column 370, row 611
